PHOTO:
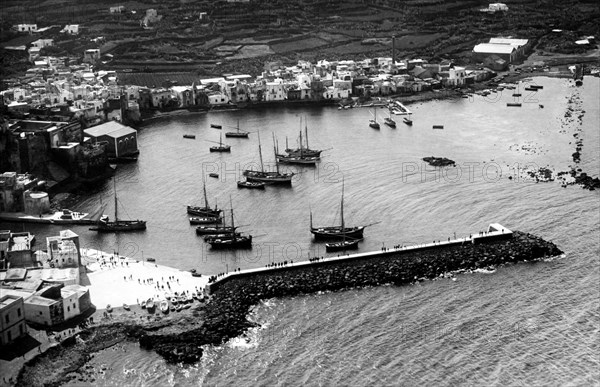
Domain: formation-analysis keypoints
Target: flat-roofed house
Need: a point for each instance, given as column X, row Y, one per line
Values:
column 12, row 319
column 45, row 307
column 121, row 139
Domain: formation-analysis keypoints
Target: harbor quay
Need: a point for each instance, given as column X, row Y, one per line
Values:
column 233, row 294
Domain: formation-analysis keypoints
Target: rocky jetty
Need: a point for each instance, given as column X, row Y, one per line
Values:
column 225, row 315
column 439, row 161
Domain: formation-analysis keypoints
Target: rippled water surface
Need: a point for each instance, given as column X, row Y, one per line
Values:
column 529, row 324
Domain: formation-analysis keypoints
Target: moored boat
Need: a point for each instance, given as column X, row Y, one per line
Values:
column 150, row 305
column 126, row 307
column 389, row 122
column 206, row 210
column 268, row 177
column 373, row 121
column 251, row 184
column 407, row 121
column 164, row 306
column 190, row 136
column 341, row 246
column 207, row 230
column 205, row 220
column 118, row 225
column 235, row 242
column 337, row 232
column 238, row 133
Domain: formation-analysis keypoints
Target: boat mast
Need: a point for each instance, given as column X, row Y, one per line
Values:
column 232, row 225
column 116, row 202
column 205, row 197
column 301, row 145
column 238, row 126
column 275, row 151
column 306, row 130
column 262, row 168
column 220, row 140
column 342, row 215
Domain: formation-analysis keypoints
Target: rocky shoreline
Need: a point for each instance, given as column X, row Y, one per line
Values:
column 225, row 316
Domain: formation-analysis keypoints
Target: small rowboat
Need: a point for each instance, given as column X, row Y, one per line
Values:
column 213, row 174
column 108, row 308
column 143, row 304
column 190, row 136
column 126, row 307
column 164, row 306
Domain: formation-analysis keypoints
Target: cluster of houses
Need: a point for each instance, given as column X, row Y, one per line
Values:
column 39, row 288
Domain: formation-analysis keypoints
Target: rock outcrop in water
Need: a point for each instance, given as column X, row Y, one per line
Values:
column 226, row 313
column 438, row 161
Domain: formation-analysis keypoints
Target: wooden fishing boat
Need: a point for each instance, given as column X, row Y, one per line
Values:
column 205, row 220
column 221, row 147
column 235, row 242
column 118, row 225
column 238, row 133
column 407, row 121
column 373, row 121
column 268, row 177
column 143, row 304
column 251, row 184
column 337, row 232
column 206, row 210
column 190, row 136
column 150, row 305
column 228, row 235
column 303, row 151
column 207, row 230
column 213, row 174
column 164, row 306
column 126, row 307
column 341, row 246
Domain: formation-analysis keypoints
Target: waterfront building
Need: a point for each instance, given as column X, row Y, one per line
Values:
column 45, row 307
column 27, row 28
column 121, row 140
column 63, row 250
column 12, row 319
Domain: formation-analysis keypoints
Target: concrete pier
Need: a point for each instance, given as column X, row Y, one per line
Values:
column 495, row 232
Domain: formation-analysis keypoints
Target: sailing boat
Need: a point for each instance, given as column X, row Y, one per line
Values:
column 205, row 211
column 373, row 122
column 237, row 133
column 307, row 152
column 297, row 158
column 389, row 121
column 222, row 147
column 104, row 225
column 235, row 241
column 344, row 244
column 268, row 177
column 407, row 121
column 337, row 232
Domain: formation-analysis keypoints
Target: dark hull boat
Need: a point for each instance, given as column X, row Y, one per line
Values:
column 207, row 230
column 341, row 246
column 238, row 133
column 232, row 241
column 407, row 121
column 229, row 235
column 337, row 232
column 303, row 151
column 269, row 177
column 119, row 225
column 205, row 220
column 251, row 184
column 241, row 242
column 374, row 124
column 298, row 159
column 220, row 148
column 203, row 211
column 389, row 122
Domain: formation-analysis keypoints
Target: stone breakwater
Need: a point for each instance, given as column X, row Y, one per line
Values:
column 225, row 316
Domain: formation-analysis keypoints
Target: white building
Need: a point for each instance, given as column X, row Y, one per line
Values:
column 27, row 27
column 41, row 43
column 71, row 29
column 275, row 91
column 12, row 319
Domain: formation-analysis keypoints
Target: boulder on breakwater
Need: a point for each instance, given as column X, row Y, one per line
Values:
column 225, row 315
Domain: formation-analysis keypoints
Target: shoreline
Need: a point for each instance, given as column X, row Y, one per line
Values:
column 179, row 338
